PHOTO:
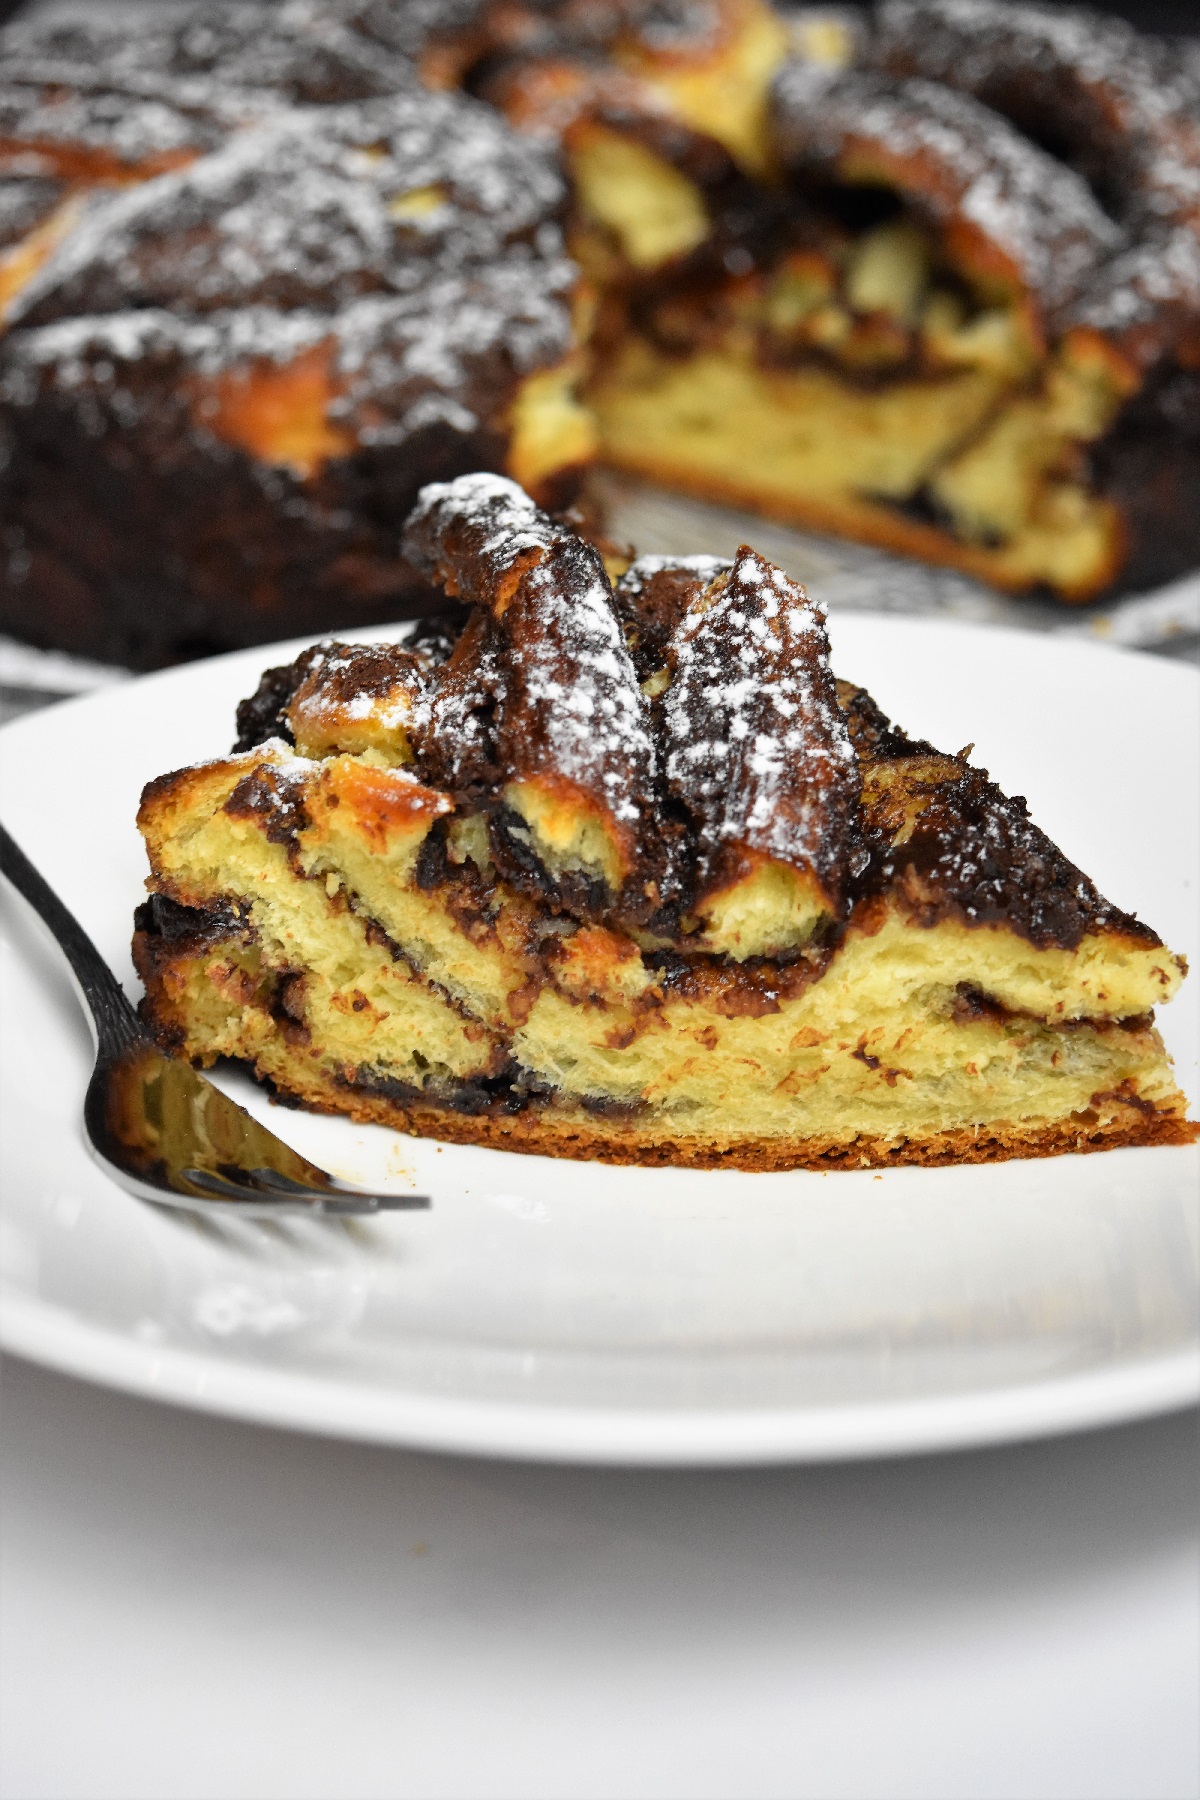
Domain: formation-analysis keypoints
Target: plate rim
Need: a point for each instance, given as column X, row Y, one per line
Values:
column 572, row 1433
column 1051, row 642
column 285, row 1399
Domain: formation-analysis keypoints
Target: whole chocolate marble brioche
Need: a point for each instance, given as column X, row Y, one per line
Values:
column 929, row 277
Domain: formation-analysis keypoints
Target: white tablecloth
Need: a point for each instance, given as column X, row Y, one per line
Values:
column 203, row 1609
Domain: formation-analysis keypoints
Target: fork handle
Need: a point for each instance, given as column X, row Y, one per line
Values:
column 116, row 1024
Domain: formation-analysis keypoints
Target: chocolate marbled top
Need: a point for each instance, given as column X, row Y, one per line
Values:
column 1121, row 108
column 1117, row 105
column 314, row 208
column 651, row 598
column 944, row 842
column 958, row 164
column 753, row 745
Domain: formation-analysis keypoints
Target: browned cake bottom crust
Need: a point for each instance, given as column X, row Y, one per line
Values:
column 1115, row 1121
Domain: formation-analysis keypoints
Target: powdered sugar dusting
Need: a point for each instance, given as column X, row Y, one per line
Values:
column 756, row 745
column 351, row 684
column 963, row 162
column 1109, row 92
column 551, row 657
column 639, row 572
column 1125, row 110
column 500, row 518
column 579, row 679
column 447, row 355
column 313, row 208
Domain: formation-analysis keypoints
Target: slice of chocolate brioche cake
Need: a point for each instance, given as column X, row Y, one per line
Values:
column 626, row 873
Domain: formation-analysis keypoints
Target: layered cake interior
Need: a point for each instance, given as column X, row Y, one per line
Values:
column 925, row 274
column 622, row 870
column 907, row 291
column 867, row 373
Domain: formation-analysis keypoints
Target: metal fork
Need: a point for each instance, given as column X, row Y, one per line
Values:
column 156, row 1126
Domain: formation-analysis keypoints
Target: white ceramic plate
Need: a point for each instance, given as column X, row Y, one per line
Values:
column 568, row 1310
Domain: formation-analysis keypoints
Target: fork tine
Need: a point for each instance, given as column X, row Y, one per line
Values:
column 336, row 1193
column 225, row 1187
column 279, row 1183
column 146, row 1113
column 256, row 1186
column 263, row 1209
column 401, row 1202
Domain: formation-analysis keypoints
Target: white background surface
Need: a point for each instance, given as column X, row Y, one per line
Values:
column 204, row 1609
